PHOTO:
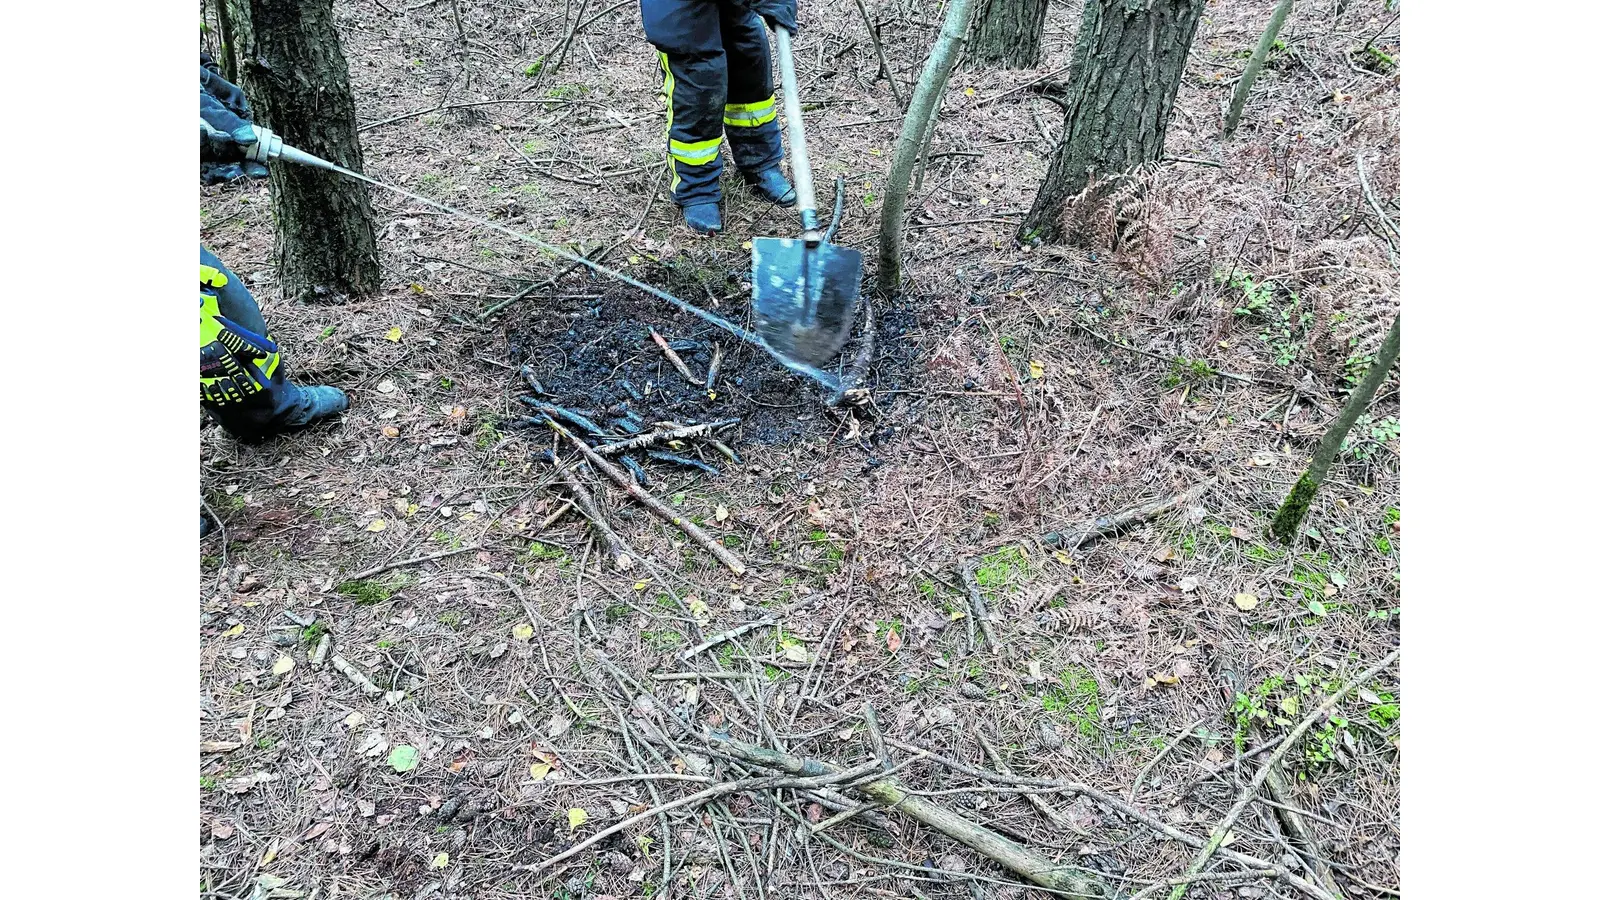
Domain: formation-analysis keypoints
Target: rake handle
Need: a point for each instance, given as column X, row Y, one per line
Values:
column 799, row 162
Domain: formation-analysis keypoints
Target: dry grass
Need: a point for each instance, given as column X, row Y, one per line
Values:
column 847, row 521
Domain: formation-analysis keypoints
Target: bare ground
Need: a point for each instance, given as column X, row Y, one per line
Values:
column 1001, row 415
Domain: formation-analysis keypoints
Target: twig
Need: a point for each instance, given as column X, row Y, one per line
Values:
column 980, row 611
column 546, row 172
column 444, row 106
column 222, row 532
column 1250, row 875
column 886, row 790
column 656, row 437
column 1133, row 792
column 321, row 653
column 724, row 637
column 1169, row 360
column 591, row 511
column 1042, row 805
column 716, row 365
column 883, row 61
column 845, row 816
column 566, row 507
column 717, row 790
column 1291, row 740
column 852, row 390
column 673, row 357
column 1094, row 417
column 1372, row 200
column 560, row 51
column 354, row 674
column 1075, row 538
column 379, row 570
column 661, row 510
column 1120, row 806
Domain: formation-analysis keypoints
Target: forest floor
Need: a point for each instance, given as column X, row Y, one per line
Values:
column 1252, row 288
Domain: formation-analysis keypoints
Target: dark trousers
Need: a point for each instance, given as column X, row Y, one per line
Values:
column 717, row 74
column 279, row 404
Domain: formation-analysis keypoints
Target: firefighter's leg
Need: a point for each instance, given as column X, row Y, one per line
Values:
column 688, row 41
column 243, row 385
column 750, row 116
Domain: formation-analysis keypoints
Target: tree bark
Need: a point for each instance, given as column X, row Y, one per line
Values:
column 294, row 73
column 1241, row 91
column 1010, row 33
column 1293, row 510
column 226, row 59
column 1118, row 99
column 924, row 107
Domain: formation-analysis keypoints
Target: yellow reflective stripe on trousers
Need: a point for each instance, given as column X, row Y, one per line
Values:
column 749, row 115
column 667, row 85
column 696, row 153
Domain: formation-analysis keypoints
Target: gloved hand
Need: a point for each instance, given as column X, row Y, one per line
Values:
column 778, row 13
column 225, row 131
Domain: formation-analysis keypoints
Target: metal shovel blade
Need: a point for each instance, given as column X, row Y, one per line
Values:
column 805, row 298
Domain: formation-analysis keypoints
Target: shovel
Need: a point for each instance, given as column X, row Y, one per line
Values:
column 804, row 290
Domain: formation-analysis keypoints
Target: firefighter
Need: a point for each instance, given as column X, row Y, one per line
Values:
column 243, row 386
column 717, row 77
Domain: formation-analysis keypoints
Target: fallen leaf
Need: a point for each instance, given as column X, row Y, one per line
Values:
column 354, row 719
column 235, row 631
column 794, row 650
column 1316, row 607
column 893, row 640
column 1262, row 459
column 1165, row 679
column 403, row 758
column 377, row 525
column 539, row 770
column 641, row 585
column 389, row 431
column 970, row 92
column 699, row 610
column 1366, row 694
column 230, row 746
column 1290, row 705
column 1035, row 369
column 522, row 632
column 283, row 666
column 394, row 335
column 575, row 817
column 558, row 726
column 721, row 515
column 1188, row 584
column 386, row 387
column 1338, row 579
column 1246, row 602
column 441, row 860
column 222, row 830
column 813, row 813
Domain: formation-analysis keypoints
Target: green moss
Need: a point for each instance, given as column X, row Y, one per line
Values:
column 1001, row 568
column 616, row 612
column 661, row 641
column 313, row 633
column 367, row 591
column 1077, row 700
column 1294, row 508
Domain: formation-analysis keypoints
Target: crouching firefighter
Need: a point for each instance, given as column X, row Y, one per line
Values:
column 717, row 77
column 243, row 385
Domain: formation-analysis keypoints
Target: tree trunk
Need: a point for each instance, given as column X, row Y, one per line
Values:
column 1010, row 33
column 1287, row 521
column 1241, row 91
column 295, row 75
column 1119, row 95
column 226, row 59
column 919, row 117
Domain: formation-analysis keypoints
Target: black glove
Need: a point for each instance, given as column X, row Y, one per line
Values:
column 778, row 13
column 225, row 131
